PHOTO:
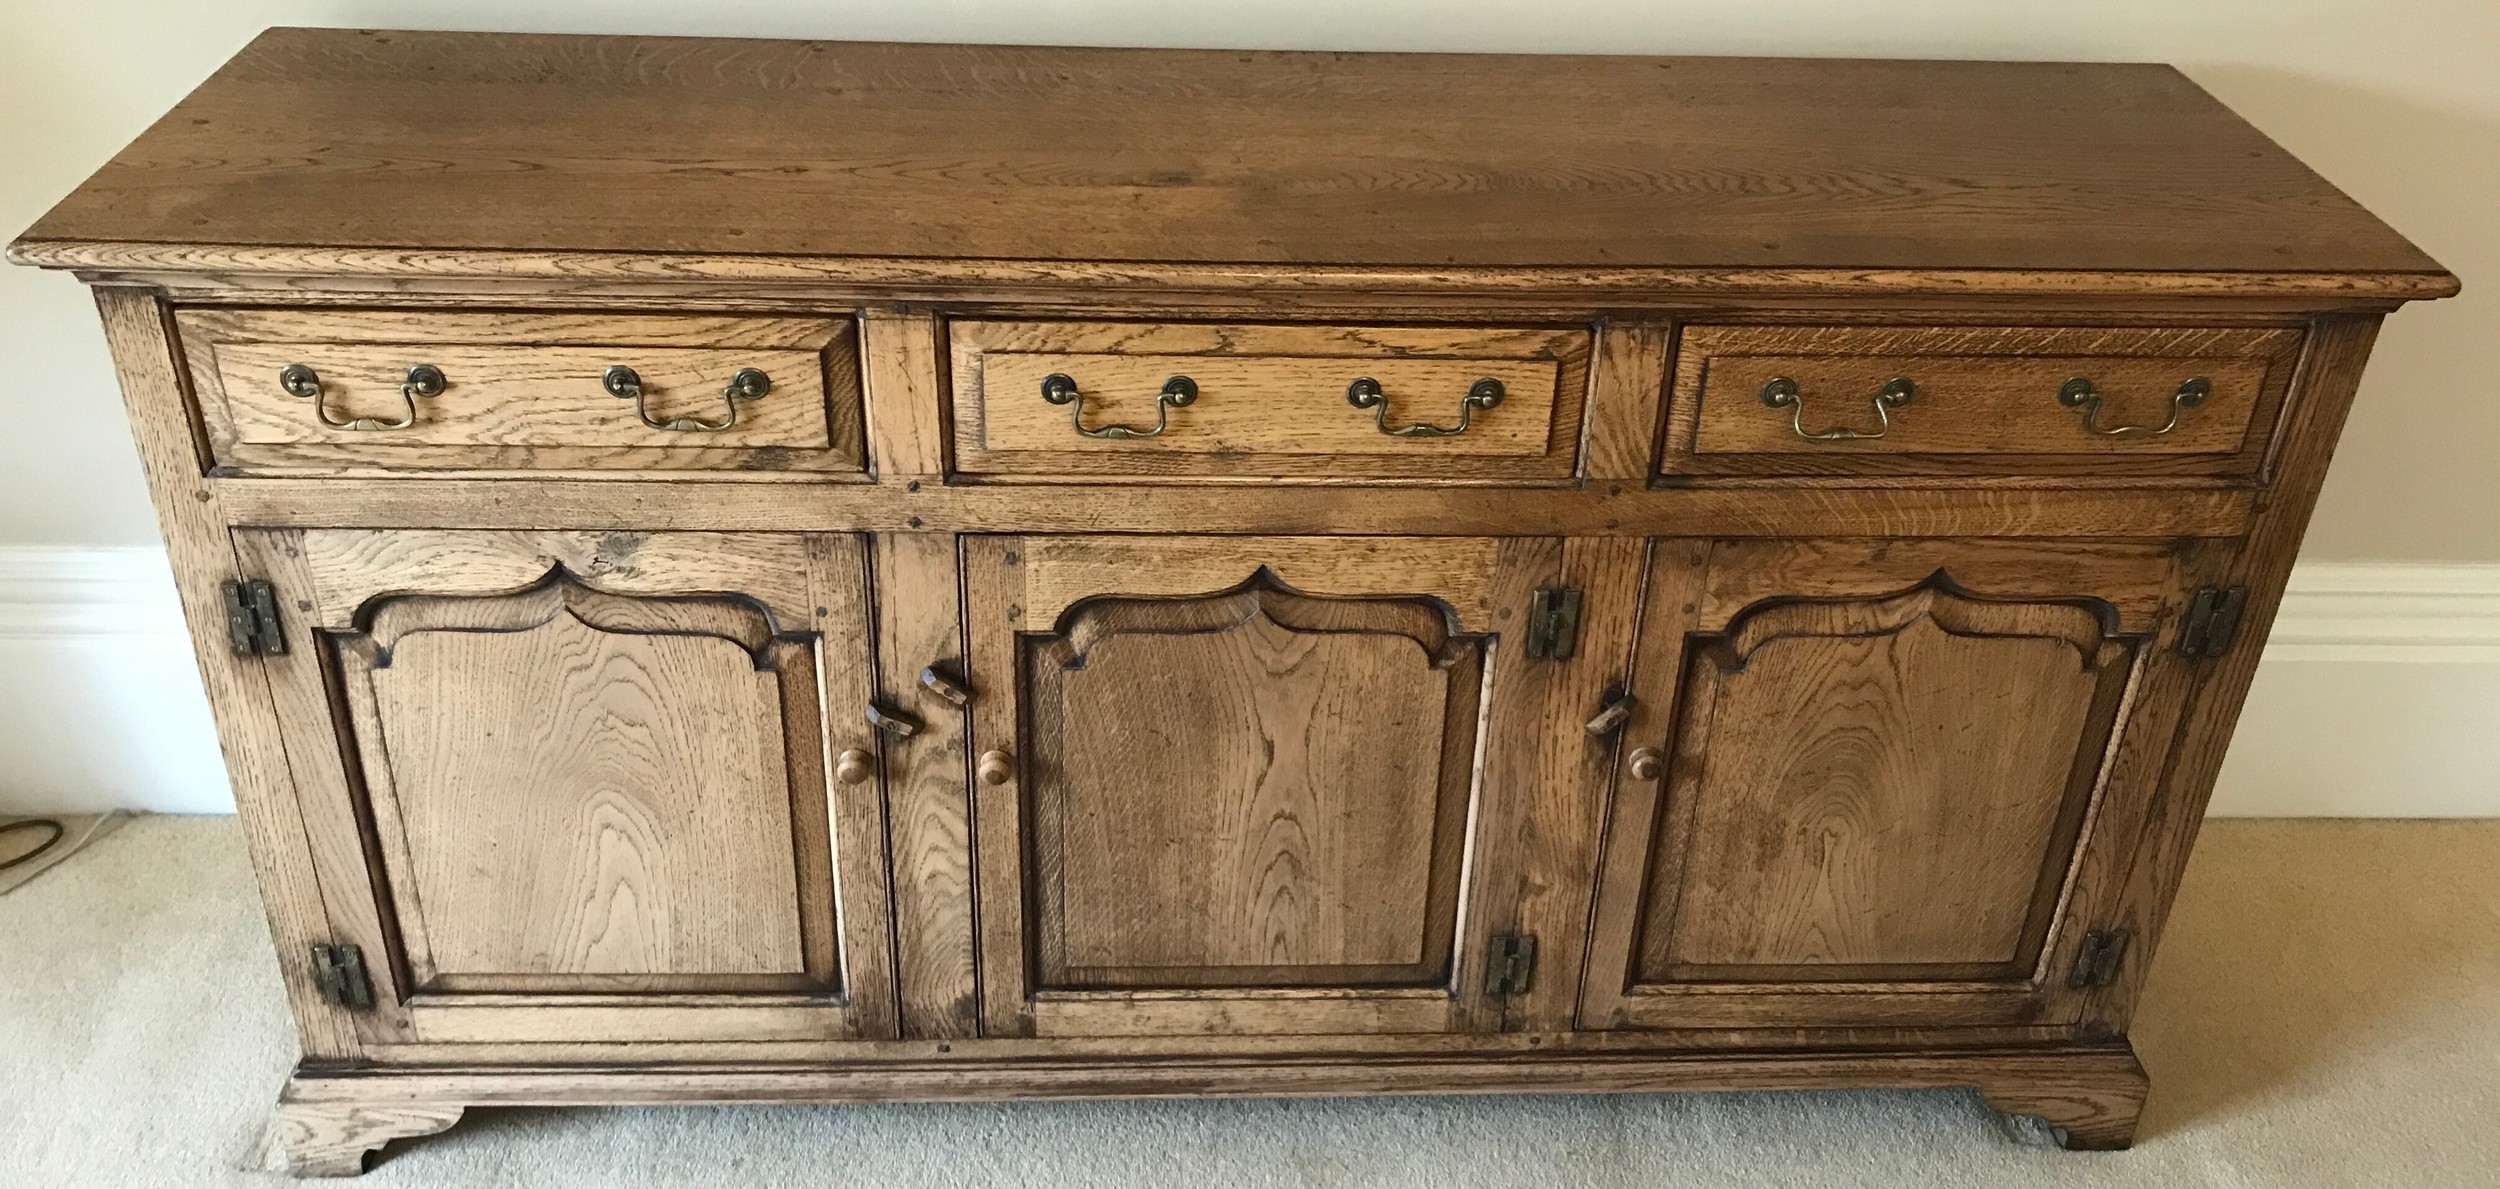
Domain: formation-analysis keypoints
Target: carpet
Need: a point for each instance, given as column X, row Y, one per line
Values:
column 2325, row 1011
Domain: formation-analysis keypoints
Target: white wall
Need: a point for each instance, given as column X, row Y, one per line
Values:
column 2398, row 102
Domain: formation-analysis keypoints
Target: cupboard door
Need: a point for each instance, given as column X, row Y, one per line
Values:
column 1895, row 779
column 1226, row 784
column 575, row 786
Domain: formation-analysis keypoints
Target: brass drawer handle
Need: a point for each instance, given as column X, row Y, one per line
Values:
column 1366, row 393
column 1781, row 393
column 1178, row 392
column 300, row 380
column 749, row 384
column 2080, row 395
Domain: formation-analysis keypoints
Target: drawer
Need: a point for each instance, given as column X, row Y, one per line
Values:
column 290, row 391
column 1975, row 400
column 1347, row 403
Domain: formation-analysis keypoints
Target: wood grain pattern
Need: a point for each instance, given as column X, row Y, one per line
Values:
column 928, row 786
column 1647, row 1042
column 1627, row 389
column 1099, row 288
column 1271, row 400
column 2093, row 1089
column 522, row 391
column 906, row 392
column 1970, row 508
column 572, row 791
column 336, row 816
column 2330, row 376
column 249, row 730
column 1248, row 789
column 1546, row 784
column 653, row 145
column 1985, row 399
column 331, row 1139
column 1921, row 784
column 1870, row 813
column 1244, row 775
column 651, row 838
column 1059, row 571
column 350, row 567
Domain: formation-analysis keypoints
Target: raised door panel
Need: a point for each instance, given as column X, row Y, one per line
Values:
column 1233, row 781
column 1893, row 775
column 575, row 786
column 1320, row 752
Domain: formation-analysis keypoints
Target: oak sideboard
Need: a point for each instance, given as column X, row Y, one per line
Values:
column 814, row 571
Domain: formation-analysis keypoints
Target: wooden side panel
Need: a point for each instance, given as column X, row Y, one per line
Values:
column 1269, row 400
column 2175, row 798
column 190, row 514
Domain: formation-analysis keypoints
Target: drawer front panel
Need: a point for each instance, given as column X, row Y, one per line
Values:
column 1810, row 400
column 1043, row 399
column 290, row 390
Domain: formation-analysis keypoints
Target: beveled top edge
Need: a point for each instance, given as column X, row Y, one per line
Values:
column 105, row 261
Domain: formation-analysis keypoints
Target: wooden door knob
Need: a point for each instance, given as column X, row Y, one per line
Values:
column 853, row 766
column 996, row 767
column 1646, row 763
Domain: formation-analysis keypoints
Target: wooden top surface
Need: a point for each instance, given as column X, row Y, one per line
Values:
column 343, row 139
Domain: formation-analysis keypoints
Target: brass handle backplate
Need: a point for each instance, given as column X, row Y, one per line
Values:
column 749, row 384
column 301, row 381
column 1178, row 393
column 1781, row 393
column 1366, row 393
column 996, row 767
column 2079, row 394
column 854, row 766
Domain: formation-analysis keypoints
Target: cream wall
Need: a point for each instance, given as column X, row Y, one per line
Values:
column 2396, row 101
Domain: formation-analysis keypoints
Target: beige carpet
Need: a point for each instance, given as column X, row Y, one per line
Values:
column 2326, row 1012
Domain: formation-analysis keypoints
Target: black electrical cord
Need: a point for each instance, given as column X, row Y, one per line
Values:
column 33, row 823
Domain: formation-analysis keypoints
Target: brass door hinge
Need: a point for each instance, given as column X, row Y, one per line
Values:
column 2212, row 621
column 339, row 970
column 1509, row 964
column 252, row 617
column 2096, row 964
column 1553, row 623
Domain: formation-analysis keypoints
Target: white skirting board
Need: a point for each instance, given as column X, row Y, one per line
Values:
column 2379, row 695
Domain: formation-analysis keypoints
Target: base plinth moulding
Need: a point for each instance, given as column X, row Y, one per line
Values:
column 329, row 1119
